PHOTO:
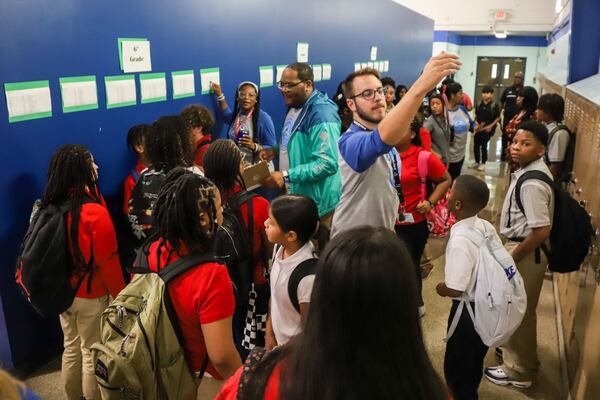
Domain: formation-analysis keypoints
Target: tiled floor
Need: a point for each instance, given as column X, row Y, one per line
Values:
column 548, row 382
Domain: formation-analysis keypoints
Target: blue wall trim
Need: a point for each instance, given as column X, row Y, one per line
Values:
column 560, row 30
column 465, row 40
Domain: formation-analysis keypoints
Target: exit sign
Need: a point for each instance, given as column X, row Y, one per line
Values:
column 500, row 15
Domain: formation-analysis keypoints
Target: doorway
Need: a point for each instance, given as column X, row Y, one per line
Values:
column 497, row 72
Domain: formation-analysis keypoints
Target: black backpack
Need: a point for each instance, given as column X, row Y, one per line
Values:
column 141, row 203
column 305, row 268
column 234, row 243
column 45, row 264
column 571, row 233
column 567, row 165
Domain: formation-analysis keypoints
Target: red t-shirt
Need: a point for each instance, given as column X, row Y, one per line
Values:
column 411, row 182
column 128, row 186
column 260, row 211
column 229, row 390
column 96, row 229
column 200, row 296
column 201, row 147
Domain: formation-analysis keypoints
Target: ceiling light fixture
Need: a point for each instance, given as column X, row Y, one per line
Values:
column 501, row 35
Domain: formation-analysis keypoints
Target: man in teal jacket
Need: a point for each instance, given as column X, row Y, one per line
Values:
column 308, row 156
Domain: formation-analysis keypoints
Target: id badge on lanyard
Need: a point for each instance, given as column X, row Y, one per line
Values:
column 403, row 217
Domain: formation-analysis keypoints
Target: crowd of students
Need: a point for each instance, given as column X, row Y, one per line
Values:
column 377, row 182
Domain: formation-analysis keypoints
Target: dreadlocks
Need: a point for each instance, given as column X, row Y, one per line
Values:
column 169, row 144
column 182, row 198
column 221, row 164
column 71, row 177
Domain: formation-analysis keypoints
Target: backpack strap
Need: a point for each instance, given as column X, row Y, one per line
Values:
column 539, row 175
column 423, row 171
column 173, row 270
column 305, row 268
column 252, row 362
column 464, row 303
column 245, row 197
column 135, row 175
column 471, row 122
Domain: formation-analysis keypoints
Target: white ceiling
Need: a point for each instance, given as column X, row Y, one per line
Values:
column 525, row 17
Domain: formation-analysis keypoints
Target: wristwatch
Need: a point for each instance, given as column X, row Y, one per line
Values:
column 286, row 177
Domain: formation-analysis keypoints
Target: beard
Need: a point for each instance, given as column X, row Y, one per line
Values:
column 363, row 115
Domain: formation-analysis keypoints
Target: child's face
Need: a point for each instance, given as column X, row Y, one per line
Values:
column 94, row 168
column 519, row 101
column 436, row 106
column 273, row 231
column 218, row 206
column 542, row 116
column 197, row 135
column 205, row 222
column 487, row 97
column 525, row 148
column 389, row 94
column 452, row 199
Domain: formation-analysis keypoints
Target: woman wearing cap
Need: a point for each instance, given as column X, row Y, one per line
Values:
column 249, row 126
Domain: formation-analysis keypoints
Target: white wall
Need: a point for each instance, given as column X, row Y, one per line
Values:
column 476, row 15
column 438, row 47
column 468, row 55
column 557, row 54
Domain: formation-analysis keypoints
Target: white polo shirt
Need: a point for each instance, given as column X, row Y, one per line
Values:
column 462, row 256
column 557, row 148
column 538, row 203
column 285, row 319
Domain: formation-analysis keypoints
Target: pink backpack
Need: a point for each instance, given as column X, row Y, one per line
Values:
column 439, row 219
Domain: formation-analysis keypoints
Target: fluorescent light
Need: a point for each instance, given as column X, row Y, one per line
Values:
column 500, row 35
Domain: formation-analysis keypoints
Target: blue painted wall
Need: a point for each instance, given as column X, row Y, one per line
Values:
column 584, row 53
column 45, row 40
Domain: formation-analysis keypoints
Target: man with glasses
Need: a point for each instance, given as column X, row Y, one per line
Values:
column 369, row 163
column 308, row 153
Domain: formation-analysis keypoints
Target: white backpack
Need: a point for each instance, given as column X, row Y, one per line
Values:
column 500, row 298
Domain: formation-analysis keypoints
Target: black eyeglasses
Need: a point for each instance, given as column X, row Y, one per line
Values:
column 287, row 85
column 369, row 94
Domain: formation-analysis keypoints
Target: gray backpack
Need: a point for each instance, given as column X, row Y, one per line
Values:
column 139, row 355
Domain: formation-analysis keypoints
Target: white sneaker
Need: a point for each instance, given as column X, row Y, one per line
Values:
column 499, row 377
column 481, row 167
column 474, row 165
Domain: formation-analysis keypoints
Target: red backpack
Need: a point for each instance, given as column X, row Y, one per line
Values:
column 439, row 219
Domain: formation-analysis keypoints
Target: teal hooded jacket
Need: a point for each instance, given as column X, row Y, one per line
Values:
column 313, row 153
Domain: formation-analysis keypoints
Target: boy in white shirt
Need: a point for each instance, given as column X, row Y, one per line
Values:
column 463, row 360
column 550, row 111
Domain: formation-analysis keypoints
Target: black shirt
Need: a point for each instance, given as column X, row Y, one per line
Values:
column 509, row 100
column 487, row 113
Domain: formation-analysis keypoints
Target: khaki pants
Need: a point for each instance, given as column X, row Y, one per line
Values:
column 81, row 328
column 520, row 352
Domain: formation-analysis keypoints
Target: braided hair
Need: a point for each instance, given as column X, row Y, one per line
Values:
column 71, row 177
column 168, row 144
column 183, row 196
column 221, row 164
